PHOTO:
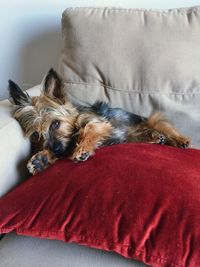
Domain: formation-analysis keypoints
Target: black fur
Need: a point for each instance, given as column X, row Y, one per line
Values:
column 53, row 86
column 119, row 118
column 19, row 97
column 103, row 109
column 116, row 115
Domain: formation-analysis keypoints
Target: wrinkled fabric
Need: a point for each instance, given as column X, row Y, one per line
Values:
column 139, row 200
column 140, row 60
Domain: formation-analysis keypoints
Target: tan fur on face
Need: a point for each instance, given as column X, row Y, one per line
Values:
column 42, row 113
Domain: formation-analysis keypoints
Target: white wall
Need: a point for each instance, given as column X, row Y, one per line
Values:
column 30, row 34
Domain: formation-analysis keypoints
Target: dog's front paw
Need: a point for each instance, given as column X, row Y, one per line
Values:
column 40, row 162
column 161, row 139
column 158, row 138
column 83, row 157
column 80, row 156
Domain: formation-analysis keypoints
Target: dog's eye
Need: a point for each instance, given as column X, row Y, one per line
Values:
column 55, row 125
column 35, row 136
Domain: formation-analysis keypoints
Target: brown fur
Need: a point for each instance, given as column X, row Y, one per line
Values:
column 150, row 131
column 51, row 117
column 89, row 137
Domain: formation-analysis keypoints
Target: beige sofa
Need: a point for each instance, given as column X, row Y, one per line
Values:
column 136, row 59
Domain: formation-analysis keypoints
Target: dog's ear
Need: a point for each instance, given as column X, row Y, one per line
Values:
column 54, row 87
column 18, row 96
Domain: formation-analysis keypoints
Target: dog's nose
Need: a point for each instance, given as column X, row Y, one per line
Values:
column 57, row 148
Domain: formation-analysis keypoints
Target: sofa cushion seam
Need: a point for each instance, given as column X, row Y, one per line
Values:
column 129, row 91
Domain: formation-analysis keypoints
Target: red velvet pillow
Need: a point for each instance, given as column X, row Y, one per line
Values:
column 141, row 201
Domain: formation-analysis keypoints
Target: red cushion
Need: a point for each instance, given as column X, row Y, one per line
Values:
column 141, row 201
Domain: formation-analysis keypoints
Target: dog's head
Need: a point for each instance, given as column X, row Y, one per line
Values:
column 49, row 117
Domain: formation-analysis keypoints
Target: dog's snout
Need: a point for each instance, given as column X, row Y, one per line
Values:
column 57, row 148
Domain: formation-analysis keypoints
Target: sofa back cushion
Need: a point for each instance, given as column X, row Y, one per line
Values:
column 140, row 60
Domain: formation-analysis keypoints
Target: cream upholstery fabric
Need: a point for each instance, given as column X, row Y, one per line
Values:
column 140, row 60
column 15, row 149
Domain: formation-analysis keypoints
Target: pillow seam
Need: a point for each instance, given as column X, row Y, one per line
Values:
column 83, row 238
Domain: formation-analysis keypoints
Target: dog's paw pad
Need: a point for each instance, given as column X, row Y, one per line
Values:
column 161, row 140
column 38, row 163
column 81, row 157
column 84, row 156
column 45, row 160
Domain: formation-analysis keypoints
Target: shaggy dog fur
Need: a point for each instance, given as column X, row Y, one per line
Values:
column 60, row 128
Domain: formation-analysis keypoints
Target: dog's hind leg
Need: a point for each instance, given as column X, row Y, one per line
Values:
column 162, row 131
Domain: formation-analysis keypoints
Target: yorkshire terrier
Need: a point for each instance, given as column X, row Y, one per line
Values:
column 60, row 128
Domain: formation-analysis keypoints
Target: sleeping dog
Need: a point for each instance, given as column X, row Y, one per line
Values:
column 60, row 128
